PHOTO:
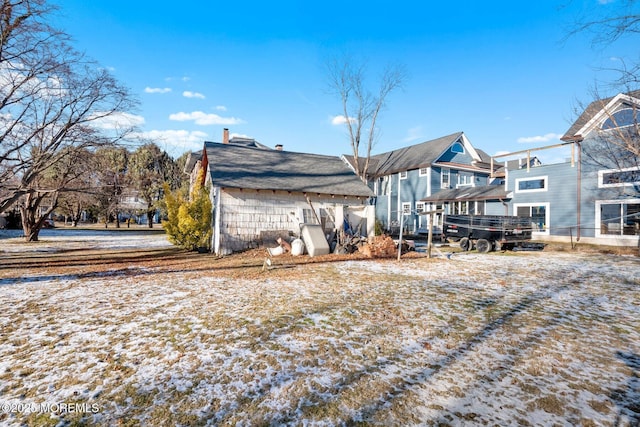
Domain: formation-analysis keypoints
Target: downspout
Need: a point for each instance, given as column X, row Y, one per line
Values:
column 578, row 192
column 506, row 207
column 399, row 205
column 216, row 220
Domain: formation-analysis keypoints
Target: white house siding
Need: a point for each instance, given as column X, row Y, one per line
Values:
column 242, row 215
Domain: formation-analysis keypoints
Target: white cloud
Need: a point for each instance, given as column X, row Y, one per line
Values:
column 118, row 120
column 189, row 94
column 204, row 119
column 221, row 108
column 341, row 120
column 157, row 89
column 538, row 139
column 176, row 142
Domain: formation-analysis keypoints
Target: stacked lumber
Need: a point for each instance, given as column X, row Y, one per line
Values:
column 379, row 247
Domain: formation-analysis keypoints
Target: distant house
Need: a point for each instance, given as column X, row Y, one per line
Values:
column 257, row 191
column 408, row 180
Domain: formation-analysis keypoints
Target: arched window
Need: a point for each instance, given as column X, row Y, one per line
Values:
column 621, row 118
column 457, row 148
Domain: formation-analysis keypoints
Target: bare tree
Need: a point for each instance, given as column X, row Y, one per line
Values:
column 361, row 107
column 616, row 144
column 53, row 101
column 110, row 164
column 610, row 24
column 148, row 169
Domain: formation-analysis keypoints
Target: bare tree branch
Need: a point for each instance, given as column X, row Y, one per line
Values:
column 360, row 107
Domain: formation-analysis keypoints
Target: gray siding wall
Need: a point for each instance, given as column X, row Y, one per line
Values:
column 559, row 197
column 495, row 207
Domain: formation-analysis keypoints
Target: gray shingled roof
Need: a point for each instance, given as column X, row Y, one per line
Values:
column 588, row 113
column 413, row 157
column 237, row 166
column 486, row 192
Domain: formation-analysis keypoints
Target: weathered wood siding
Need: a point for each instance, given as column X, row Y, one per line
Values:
column 243, row 215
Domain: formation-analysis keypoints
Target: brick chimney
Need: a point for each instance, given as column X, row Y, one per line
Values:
column 225, row 136
column 279, row 147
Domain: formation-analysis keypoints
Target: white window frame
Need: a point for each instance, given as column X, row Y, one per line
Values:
column 443, row 172
column 601, row 173
column 598, row 218
column 544, row 178
column 547, row 215
column 471, row 182
column 420, row 207
column 403, row 174
column 406, row 208
column 457, row 143
column 423, row 172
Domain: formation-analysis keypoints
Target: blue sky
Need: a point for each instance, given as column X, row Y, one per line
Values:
column 502, row 72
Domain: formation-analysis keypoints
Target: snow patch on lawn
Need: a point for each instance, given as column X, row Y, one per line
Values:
column 534, row 338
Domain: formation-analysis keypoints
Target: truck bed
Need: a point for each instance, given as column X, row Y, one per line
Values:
column 494, row 228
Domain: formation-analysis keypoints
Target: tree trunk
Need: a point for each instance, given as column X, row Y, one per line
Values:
column 31, row 219
column 150, row 218
column 31, row 233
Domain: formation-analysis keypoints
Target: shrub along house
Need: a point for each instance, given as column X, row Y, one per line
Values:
column 257, row 191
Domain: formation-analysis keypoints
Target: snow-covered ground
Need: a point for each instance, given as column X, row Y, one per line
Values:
column 497, row 339
column 57, row 239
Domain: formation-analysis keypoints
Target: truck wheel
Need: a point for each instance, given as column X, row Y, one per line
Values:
column 465, row 244
column 483, row 246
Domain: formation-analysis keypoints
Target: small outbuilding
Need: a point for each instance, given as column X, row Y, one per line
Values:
column 259, row 193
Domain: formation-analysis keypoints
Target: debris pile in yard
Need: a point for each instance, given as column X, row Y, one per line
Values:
column 379, row 247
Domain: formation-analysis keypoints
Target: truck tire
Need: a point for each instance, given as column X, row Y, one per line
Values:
column 465, row 244
column 483, row 246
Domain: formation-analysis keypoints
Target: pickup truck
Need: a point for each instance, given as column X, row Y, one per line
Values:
column 487, row 232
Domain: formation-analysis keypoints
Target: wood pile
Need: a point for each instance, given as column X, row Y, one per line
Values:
column 379, row 247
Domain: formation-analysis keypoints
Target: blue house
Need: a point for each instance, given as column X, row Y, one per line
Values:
column 595, row 195
column 402, row 179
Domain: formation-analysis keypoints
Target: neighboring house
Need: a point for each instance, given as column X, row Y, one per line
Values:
column 595, row 195
column 257, row 191
column 408, row 179
column 610, row 186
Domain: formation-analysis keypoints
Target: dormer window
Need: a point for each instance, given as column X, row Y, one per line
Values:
column 621, row 118
column 457, row 148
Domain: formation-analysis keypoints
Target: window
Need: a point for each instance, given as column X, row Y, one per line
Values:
column 531, row 185
column 383, row 185
column 621, row 118
column 465, row 179
column 444, row 178
column 308, row 217
column 619, row 177
column 460, row 208
column 423, row 172
column 618, row 218
column 539, row 215
column 406, row 208
column 476, row 208
column 403, row 175
column 419, row 207
column 457, row 148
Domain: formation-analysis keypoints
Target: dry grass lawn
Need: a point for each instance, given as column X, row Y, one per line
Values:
column 129, row 336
